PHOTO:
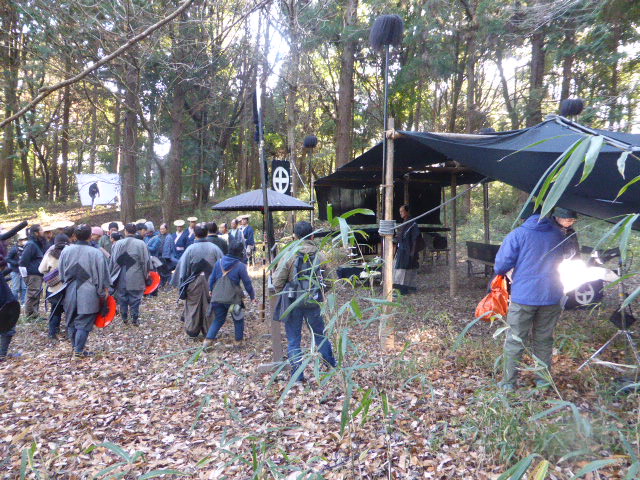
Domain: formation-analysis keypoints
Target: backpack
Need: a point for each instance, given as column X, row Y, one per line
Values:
column 307, row 279
column 224, row 291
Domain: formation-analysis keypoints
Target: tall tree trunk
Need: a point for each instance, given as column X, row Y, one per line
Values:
column 93, row 147
column 24, row 162
column 567, row 63
column 344, row 126
column 615, row 110
column 64, row 144
column 457, row 87
column 117, row 133
column 513, row 115
column 9, row 62
column 174, row 177
column 536, row 79
column 54, row 194
column 292, row 95
column 130, row 143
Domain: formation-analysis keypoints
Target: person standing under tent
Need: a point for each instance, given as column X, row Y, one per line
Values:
column 213, row 237
column 190, row 277
column 84, row 269
column 230, row 265
column 28, row 266
column 408, row 238
column 129, row 268
column 533, row 251
column 566, row 219
column 249, row 237
column 289, row 271
column 18, row 286
column 223, row 232
column 51, row 275
column 236, row 236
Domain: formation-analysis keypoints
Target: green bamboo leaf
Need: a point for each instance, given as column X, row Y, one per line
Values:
column 591, row 156
column 519, row 469
column 626, row 187
column 460, row 337
column 118, row 450
column 24, row 463
column 160, row 473
column 541, row 470
column 625, row 235
column 356, row 211
column 559, row 405
column 565, row 175
column 575, row 453
column 622, row 161
column 346, row 404
column 593, row 466
column 633, row 471
column 109, row 469
column 355, row 308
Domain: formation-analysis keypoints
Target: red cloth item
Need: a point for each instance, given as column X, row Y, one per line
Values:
column 496, row 302
column 104, row 320
column 155, row 283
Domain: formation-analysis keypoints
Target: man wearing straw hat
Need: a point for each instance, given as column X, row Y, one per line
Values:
column 193, row 221
column 181, row 239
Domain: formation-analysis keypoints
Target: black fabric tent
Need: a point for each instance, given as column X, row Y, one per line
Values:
column 522, row 167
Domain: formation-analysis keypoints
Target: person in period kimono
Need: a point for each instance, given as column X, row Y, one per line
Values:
column 406, row 264
column 249, row 237
column 129, row 267
column 84, row 269
column 180, row 239
column 190, row 277
column 105, row 240
column 193, row 221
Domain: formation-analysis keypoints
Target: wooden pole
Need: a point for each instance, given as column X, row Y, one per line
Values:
column 485, row 210
column 387, row 334
column 406, row 190
column 453, row 274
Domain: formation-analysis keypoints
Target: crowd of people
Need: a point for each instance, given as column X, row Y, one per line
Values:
column 75, row 268
column 67, row 270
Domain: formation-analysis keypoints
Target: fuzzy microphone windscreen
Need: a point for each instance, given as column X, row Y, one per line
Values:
column 310, row 141
column 386, row 30
column 571, row 106
column 487, row 131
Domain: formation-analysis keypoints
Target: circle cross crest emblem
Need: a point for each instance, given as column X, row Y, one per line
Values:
column 281, row 180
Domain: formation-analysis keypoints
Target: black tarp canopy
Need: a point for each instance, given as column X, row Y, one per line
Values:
column 522, row 167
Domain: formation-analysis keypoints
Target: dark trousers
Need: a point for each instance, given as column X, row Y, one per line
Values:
column 55, row 317
column 5, row 340
column 78, row 328
column 293, row 328
column 221, row 311
column 129, row 301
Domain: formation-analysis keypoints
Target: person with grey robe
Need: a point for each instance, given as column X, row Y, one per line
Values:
column 130, row 265
column 191, row 278
column 84, row 270
column 406, row 262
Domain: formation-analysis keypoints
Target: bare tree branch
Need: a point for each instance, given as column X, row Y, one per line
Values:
column 104, row 60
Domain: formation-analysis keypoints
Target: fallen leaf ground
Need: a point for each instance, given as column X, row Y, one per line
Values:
column 214, row 416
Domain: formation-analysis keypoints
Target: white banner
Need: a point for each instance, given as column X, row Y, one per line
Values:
column 99, row 189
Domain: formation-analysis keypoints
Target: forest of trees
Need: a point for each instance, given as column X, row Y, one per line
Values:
column 463, row 65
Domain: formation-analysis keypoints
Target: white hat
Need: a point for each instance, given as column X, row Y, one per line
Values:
column 64, row 224
column 22, row 234
column 244, row 216
column 179, row 223
column 192, row 219
column 141, row 220
column 49, row 228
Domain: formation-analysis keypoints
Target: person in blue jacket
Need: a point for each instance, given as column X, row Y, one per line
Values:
column 237, row 271
column 249, row 238
column 533, row 251
column 181, row 239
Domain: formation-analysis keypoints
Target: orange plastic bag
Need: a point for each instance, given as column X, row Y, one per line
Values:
column 496, row 302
